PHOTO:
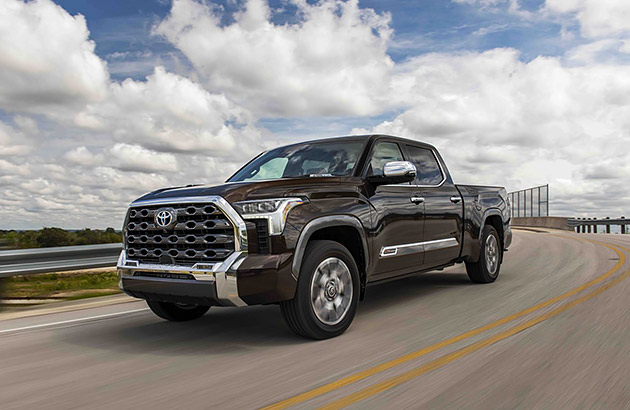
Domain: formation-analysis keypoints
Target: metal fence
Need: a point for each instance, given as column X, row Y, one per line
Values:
column 530, row 202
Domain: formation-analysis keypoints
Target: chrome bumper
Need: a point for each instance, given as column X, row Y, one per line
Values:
column 221, row 274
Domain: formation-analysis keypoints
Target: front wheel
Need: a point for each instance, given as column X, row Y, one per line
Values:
column 486, row 269
column 327, row 294
column 176, row 312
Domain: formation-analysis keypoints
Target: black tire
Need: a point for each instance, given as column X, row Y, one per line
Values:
column 175, row 312
column 478, row 272
column 299, row 312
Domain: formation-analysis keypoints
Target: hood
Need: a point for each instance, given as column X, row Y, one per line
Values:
column 240, row 191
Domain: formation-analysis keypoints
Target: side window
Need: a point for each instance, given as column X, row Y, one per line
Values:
column 383, row 153
column 427, row 167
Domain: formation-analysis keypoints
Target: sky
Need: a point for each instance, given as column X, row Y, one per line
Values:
column 101, row 102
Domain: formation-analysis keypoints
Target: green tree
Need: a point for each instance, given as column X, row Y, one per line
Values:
column 28, row 239
column 49, row 237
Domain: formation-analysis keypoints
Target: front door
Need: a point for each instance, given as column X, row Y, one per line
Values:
column 398, row 219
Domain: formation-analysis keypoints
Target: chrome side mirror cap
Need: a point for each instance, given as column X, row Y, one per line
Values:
column 397, row 169
column 394, row 172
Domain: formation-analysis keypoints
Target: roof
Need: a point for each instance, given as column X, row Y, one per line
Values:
column 370, row 137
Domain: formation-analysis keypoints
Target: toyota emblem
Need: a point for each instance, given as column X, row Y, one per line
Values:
column 165, row 218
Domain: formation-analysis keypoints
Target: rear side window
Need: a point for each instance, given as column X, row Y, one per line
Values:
column 427, row 168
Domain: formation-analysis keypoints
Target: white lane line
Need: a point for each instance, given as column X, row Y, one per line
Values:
column 82, row 319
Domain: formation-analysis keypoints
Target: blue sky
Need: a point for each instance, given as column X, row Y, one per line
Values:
column 122, row 31
column 420, row 26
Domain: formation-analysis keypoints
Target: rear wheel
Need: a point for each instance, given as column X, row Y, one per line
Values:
column 176, row 312
column 486, row 269
column 327, row 294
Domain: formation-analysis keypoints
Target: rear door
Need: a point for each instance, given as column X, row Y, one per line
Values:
column 397, row 237
column 443, row 207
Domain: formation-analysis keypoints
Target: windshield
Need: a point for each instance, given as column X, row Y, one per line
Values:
column 308, row 159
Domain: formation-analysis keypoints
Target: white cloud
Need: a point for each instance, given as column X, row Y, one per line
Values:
column 333, row 61
column 39, row 186
column 27, row 125
column 8, row 168
column 513, row 7
column 483, row 3
column 124, row 157
column 537, row 122
column 128, row 157
column 13, row 142
column 82, row 156
column 597, row 18
column 592, row 52
column 166, row 112
column 47, row 61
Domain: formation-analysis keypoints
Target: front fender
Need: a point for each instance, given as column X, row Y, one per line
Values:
column 325, row 222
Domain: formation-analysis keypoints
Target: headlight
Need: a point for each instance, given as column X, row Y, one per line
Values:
column 274, row 210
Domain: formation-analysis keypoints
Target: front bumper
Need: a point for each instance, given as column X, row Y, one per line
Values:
column 240, row 280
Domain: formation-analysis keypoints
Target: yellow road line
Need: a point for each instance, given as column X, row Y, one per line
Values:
column 353, row 378
column 443, row 360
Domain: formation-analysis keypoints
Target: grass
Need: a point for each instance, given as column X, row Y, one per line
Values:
column 62, row 286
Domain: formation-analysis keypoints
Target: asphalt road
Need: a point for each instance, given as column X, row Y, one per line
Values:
column 552, row 332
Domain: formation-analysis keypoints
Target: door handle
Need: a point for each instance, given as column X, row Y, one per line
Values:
column 455, row 199
column 417, row 199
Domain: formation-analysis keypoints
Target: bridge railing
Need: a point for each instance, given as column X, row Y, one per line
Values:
column 590, row 225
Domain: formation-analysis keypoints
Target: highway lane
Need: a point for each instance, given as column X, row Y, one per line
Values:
column 246, row 358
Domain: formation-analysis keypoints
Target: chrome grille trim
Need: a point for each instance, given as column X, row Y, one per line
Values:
column 223, row 232
column 240, row 230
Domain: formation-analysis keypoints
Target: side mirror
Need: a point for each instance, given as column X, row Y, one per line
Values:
column 395, row 172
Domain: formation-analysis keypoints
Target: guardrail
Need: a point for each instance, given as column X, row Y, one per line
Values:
column 64, row 258
column 588, row 225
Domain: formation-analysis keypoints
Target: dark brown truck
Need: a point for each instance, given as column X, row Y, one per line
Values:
column 309, row 226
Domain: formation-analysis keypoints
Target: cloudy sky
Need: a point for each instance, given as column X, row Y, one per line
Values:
column 102, row 101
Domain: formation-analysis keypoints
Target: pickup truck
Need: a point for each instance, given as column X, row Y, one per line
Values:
column 309, row 226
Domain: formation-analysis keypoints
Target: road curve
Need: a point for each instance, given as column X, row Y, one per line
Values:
column 550, row 333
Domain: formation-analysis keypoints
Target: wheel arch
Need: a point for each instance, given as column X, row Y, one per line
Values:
column 493, row 217
column 344, row 229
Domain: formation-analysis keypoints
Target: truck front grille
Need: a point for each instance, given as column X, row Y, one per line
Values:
column 201, row 233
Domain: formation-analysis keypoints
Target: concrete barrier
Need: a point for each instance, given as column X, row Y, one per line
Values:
column 554, row 222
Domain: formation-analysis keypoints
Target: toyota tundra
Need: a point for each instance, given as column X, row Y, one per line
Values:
column 309, row 226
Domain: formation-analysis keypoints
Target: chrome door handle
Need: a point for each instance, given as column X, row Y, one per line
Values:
column 417, row 199
column 455, row 199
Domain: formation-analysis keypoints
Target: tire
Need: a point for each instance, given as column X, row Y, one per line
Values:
column 310, row 313
column 486, row 269
column 175, row 312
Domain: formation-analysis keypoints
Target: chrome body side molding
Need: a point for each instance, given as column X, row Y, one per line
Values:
column 417, row 247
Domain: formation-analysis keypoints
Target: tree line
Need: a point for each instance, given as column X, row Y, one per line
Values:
column 50, row 237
